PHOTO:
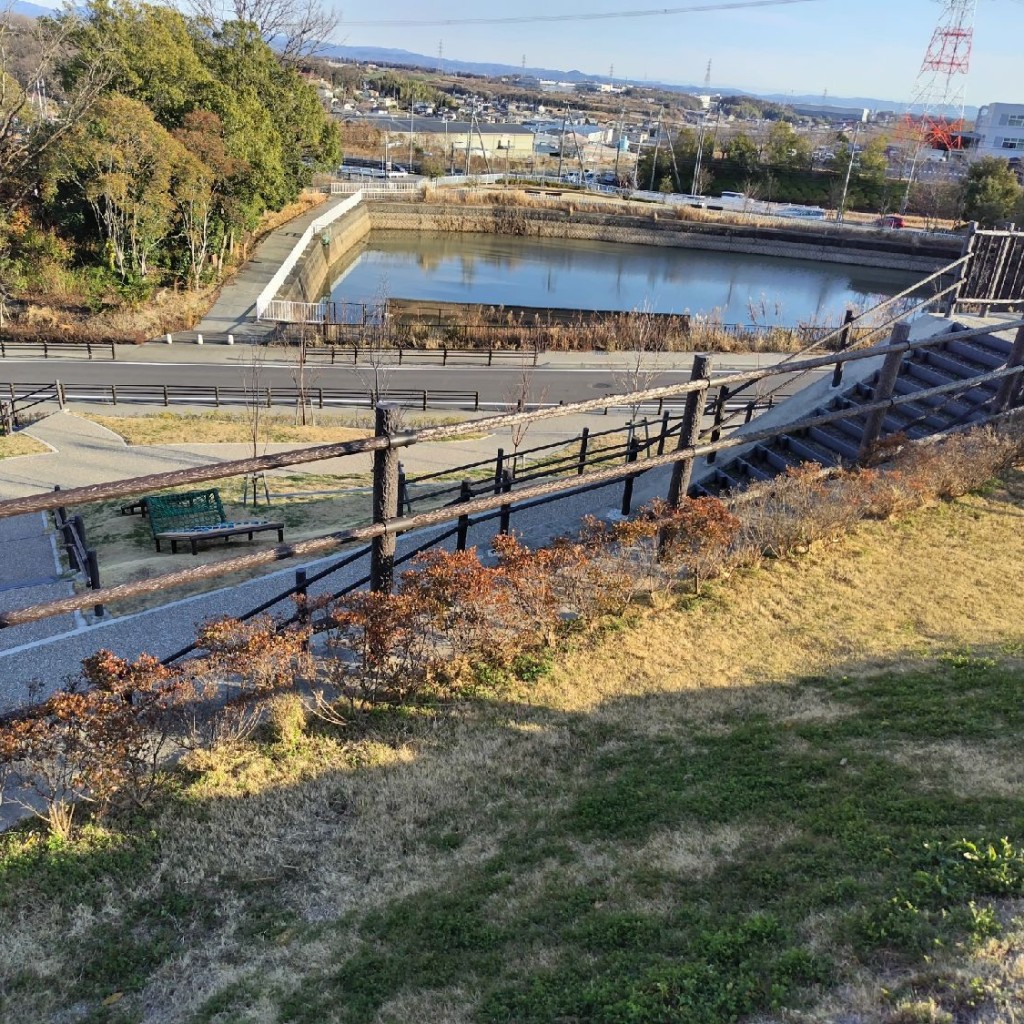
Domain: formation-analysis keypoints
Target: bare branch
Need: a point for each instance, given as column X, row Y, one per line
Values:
column 294, row 28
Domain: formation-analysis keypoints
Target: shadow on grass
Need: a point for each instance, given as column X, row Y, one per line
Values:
column 667, row 862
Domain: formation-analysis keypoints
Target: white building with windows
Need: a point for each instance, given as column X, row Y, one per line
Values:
column 999, row 130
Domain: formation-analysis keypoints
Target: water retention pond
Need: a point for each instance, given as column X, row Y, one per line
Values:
column 499, row 270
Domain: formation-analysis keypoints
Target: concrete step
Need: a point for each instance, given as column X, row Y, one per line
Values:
column 751, row 471
column 810, row 451
column 958, row 365
column 835, row 441
column 981, row 354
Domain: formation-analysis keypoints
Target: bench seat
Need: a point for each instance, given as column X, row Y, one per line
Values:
column 215, row 531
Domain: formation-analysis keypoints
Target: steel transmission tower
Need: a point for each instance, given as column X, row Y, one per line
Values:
column 934, row 118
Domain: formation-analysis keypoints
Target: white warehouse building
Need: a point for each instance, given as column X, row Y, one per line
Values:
column 999, row 130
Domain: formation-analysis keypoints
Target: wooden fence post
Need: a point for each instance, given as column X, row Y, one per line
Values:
column 965, row 270
column 1009, row 393
column 844, row 341
column 883, row 388
column 385, row 500
column 689, row 430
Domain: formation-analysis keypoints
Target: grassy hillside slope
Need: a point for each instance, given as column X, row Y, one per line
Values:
column 783, row 802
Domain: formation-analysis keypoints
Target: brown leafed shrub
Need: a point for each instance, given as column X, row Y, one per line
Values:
column 102, row 741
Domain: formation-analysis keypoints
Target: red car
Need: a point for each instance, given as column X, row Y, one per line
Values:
column 892, row 220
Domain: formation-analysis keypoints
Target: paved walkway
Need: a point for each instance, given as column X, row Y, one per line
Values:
column 32, row 573
column 234, row 311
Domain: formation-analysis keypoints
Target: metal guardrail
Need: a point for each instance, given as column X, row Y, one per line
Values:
column 57, row 349
column 24, row 396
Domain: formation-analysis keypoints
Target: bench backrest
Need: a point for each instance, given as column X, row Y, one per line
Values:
column 185, row 511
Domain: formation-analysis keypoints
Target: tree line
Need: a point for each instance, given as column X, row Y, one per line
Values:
column 137, row 143
column 779, row 167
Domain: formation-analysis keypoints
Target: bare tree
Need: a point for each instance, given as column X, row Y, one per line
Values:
column 518, row 397
column 303, row 378
column 377, row 362
column 31, row 124
column 643, row 342
column 294, row 28
column 252, row 385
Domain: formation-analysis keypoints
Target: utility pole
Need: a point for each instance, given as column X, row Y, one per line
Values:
column 618, row 143
column 849, row 173
column 561, row 141
column 657, row 146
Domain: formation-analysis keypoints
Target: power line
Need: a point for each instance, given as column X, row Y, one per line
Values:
column 598, row 16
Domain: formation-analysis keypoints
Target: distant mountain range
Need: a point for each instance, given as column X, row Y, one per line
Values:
column 405, row 58
column 383, row 55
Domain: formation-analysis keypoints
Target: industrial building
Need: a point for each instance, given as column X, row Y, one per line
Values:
column 998, row 131
column 435, row 135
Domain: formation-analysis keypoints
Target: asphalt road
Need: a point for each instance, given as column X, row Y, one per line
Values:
column 495, row 384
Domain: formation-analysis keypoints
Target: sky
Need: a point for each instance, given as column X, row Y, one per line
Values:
column 847, row 47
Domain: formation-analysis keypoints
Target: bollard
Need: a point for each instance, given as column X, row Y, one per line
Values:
column 199, row 339
column 170, row 340
column 231, row 339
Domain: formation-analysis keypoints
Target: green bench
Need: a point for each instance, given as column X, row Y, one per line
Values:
column 194, row 516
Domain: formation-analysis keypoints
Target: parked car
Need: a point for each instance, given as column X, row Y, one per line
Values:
column 891, row 220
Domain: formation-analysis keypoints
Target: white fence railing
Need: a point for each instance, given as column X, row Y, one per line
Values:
column 274, row 285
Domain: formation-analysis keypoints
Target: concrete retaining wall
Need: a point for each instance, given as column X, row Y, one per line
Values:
column 913, row 252
column 312, row 273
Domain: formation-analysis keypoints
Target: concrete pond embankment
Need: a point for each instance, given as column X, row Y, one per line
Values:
column 914, row 252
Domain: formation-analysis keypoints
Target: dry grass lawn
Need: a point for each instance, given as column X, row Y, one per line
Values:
column 225, row 428
column 737, row 808
column 13, row 445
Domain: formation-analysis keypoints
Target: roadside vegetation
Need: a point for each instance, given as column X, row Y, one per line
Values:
column 772, row 774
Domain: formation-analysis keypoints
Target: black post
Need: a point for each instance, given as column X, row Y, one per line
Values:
column 506, row 510
column 385, row 500
column 663, row 436
column 499, row 470
column 689, row 430
column 93, row 568
column 632, row 450
column 404, row 505
column 465, row 494
column 584, row 444
column 716, row 430
column 844, row 343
